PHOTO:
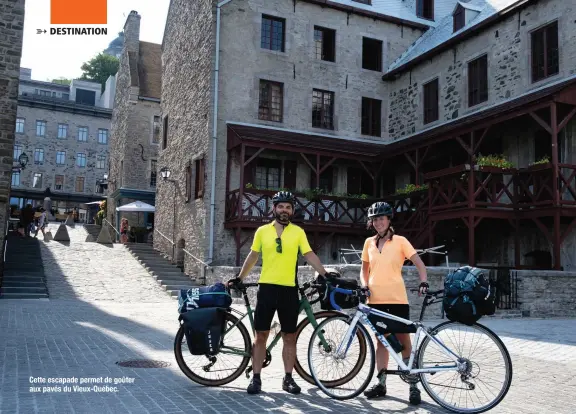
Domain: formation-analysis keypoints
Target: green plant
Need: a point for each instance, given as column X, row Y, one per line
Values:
column 410, row 188
column 544, row 160
column 249, row 185
column 493, row 160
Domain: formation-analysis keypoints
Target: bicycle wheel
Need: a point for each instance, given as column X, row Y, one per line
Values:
column 483, row 353
column 208, row 370
column 303, row 333
column 324, row 362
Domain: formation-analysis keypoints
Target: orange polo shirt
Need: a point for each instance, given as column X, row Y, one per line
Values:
column 385, row 278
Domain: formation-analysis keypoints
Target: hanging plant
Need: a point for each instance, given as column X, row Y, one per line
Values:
column 541, row 161
column 411, row 188
column 493, row 160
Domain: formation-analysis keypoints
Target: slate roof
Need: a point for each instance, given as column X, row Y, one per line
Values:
column 443, row 31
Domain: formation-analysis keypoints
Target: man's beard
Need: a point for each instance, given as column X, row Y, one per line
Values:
column 282, row 218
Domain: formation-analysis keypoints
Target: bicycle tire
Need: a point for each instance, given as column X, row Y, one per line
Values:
column 363, row 337
column 499, row 344
column 208, row 382
column 305, row 375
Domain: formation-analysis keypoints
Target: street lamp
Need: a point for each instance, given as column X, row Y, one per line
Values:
column 165, row 173
column 23, row 160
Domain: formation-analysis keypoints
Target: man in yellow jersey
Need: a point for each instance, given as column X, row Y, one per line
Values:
column 279, row 242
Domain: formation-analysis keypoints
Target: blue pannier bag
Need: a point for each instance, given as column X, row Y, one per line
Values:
column 468, row 295
column 203, row 328
column 214, row 296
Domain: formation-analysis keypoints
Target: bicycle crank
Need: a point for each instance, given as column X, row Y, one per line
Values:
column 266, row 362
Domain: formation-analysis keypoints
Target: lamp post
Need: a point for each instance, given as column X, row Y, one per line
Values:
column 165, row 174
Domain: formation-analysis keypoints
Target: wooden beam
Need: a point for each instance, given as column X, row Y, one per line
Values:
column 252, row 157
column 327, row 164
column 309, row 163
column 317, row 177
column 541, row 122
column 366, row 168
column 410, row 160
column 543, row 229
column 425, row 154
column 567, row 119
column 242, row 184
column 555, row 169
column 464, row 145
column 568, row 230
column 477, row 221
column 475, row 149
column 557, row 239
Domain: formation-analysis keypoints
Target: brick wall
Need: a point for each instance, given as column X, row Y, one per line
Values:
column 11, row 31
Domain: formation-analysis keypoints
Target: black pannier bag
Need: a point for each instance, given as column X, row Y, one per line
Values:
column 468, row 295
column 344, row 301
column 213, row 296
column 204, row 328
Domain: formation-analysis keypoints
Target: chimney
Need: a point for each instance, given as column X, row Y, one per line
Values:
column 132, row 32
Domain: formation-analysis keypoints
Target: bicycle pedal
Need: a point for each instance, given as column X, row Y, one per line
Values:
column 248, row 371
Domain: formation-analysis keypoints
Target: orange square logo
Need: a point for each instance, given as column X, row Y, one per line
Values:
column 78, row 12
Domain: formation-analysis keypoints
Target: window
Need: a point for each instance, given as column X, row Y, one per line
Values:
column 62, row 130
column 478, row 81
column 271, row 101
column 371, row 54
column 79, row 185
column 61, row 157
column 102, row 136
column 17, row 151
column 59, row 182
column 81, row 159
column 85, row 97
column 101, row 161
column 156, row 130
column 371, row 115
column 188, row 189
column 425, row 9
column 199, row 184
column 459, row 18
column 37, row 180
column 153, row 173
column 40, row 128
column 38, row 156
column 325, row 43
column 326, row 183
column 15, row 178
column 272, row 35
column 19, row 125
column 322, row 109
column 431, row 101
column 545, row 52
column 267, row 174
column 83, row 134
column 42, row 93
column 165, row 133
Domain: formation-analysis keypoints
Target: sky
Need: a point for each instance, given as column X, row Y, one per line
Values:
column 52, row 56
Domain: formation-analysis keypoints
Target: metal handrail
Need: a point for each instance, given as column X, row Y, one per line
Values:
column 167, row 238
column 195, row 258
column 110, row 224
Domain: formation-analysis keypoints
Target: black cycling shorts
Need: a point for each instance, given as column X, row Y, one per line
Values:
column 276, row 298
column 402, row 311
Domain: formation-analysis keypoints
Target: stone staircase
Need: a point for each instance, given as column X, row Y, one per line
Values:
column 169, row 276
column 23, row 270
column 92, row 230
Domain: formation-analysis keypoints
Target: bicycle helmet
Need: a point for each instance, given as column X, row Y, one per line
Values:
column 283, row 197
column 380, row 208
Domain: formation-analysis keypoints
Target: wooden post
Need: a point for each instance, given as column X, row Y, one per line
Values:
column 557, row 241
column 241, row 189
column 555, row 169
column 517, row 244
column 417, row 169
column 471, row 246
column 228, row 162
column 317, row 170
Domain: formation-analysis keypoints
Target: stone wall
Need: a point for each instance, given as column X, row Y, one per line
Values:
column 51, row 144
column 11, row 31
column 187, row 82
column 507, row 45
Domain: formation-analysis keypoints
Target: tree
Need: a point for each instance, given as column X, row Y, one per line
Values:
column 62, row 81
column 99, row 68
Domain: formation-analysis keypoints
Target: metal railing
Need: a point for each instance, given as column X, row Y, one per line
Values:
column 505, row 279
column 104, row 221
column 203, row 268
column 169, row 240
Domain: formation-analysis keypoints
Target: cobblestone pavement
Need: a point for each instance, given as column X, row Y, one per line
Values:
column 98, row 316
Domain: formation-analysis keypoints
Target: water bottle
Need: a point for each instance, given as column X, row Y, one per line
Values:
column 394, row 343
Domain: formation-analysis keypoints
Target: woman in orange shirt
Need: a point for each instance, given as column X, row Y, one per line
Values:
column 383, row 257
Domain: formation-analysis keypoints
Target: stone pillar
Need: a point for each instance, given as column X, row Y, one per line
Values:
column 11, row 32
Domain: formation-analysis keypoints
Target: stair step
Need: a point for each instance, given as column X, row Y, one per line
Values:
column 177, row 287
column 20, row 283
column 9, row 289
column 161, row 266
column 179, row 282
column 23, row 296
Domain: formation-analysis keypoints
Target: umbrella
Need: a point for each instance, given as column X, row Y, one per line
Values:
column 137, row 207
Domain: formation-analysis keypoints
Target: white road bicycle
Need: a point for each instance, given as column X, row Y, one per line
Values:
column 471, row 375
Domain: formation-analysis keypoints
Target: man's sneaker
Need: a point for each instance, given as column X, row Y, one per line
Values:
column 414, row 395
column 378, row 390
column 289, row 385
column 255, row 386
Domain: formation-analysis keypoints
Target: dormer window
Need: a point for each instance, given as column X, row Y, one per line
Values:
column 459, row 17
column 425, row 9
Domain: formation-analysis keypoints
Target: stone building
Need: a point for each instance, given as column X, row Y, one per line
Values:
column 64, row 131
column 11, row 28
column 135, row 125
column 346, row 102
